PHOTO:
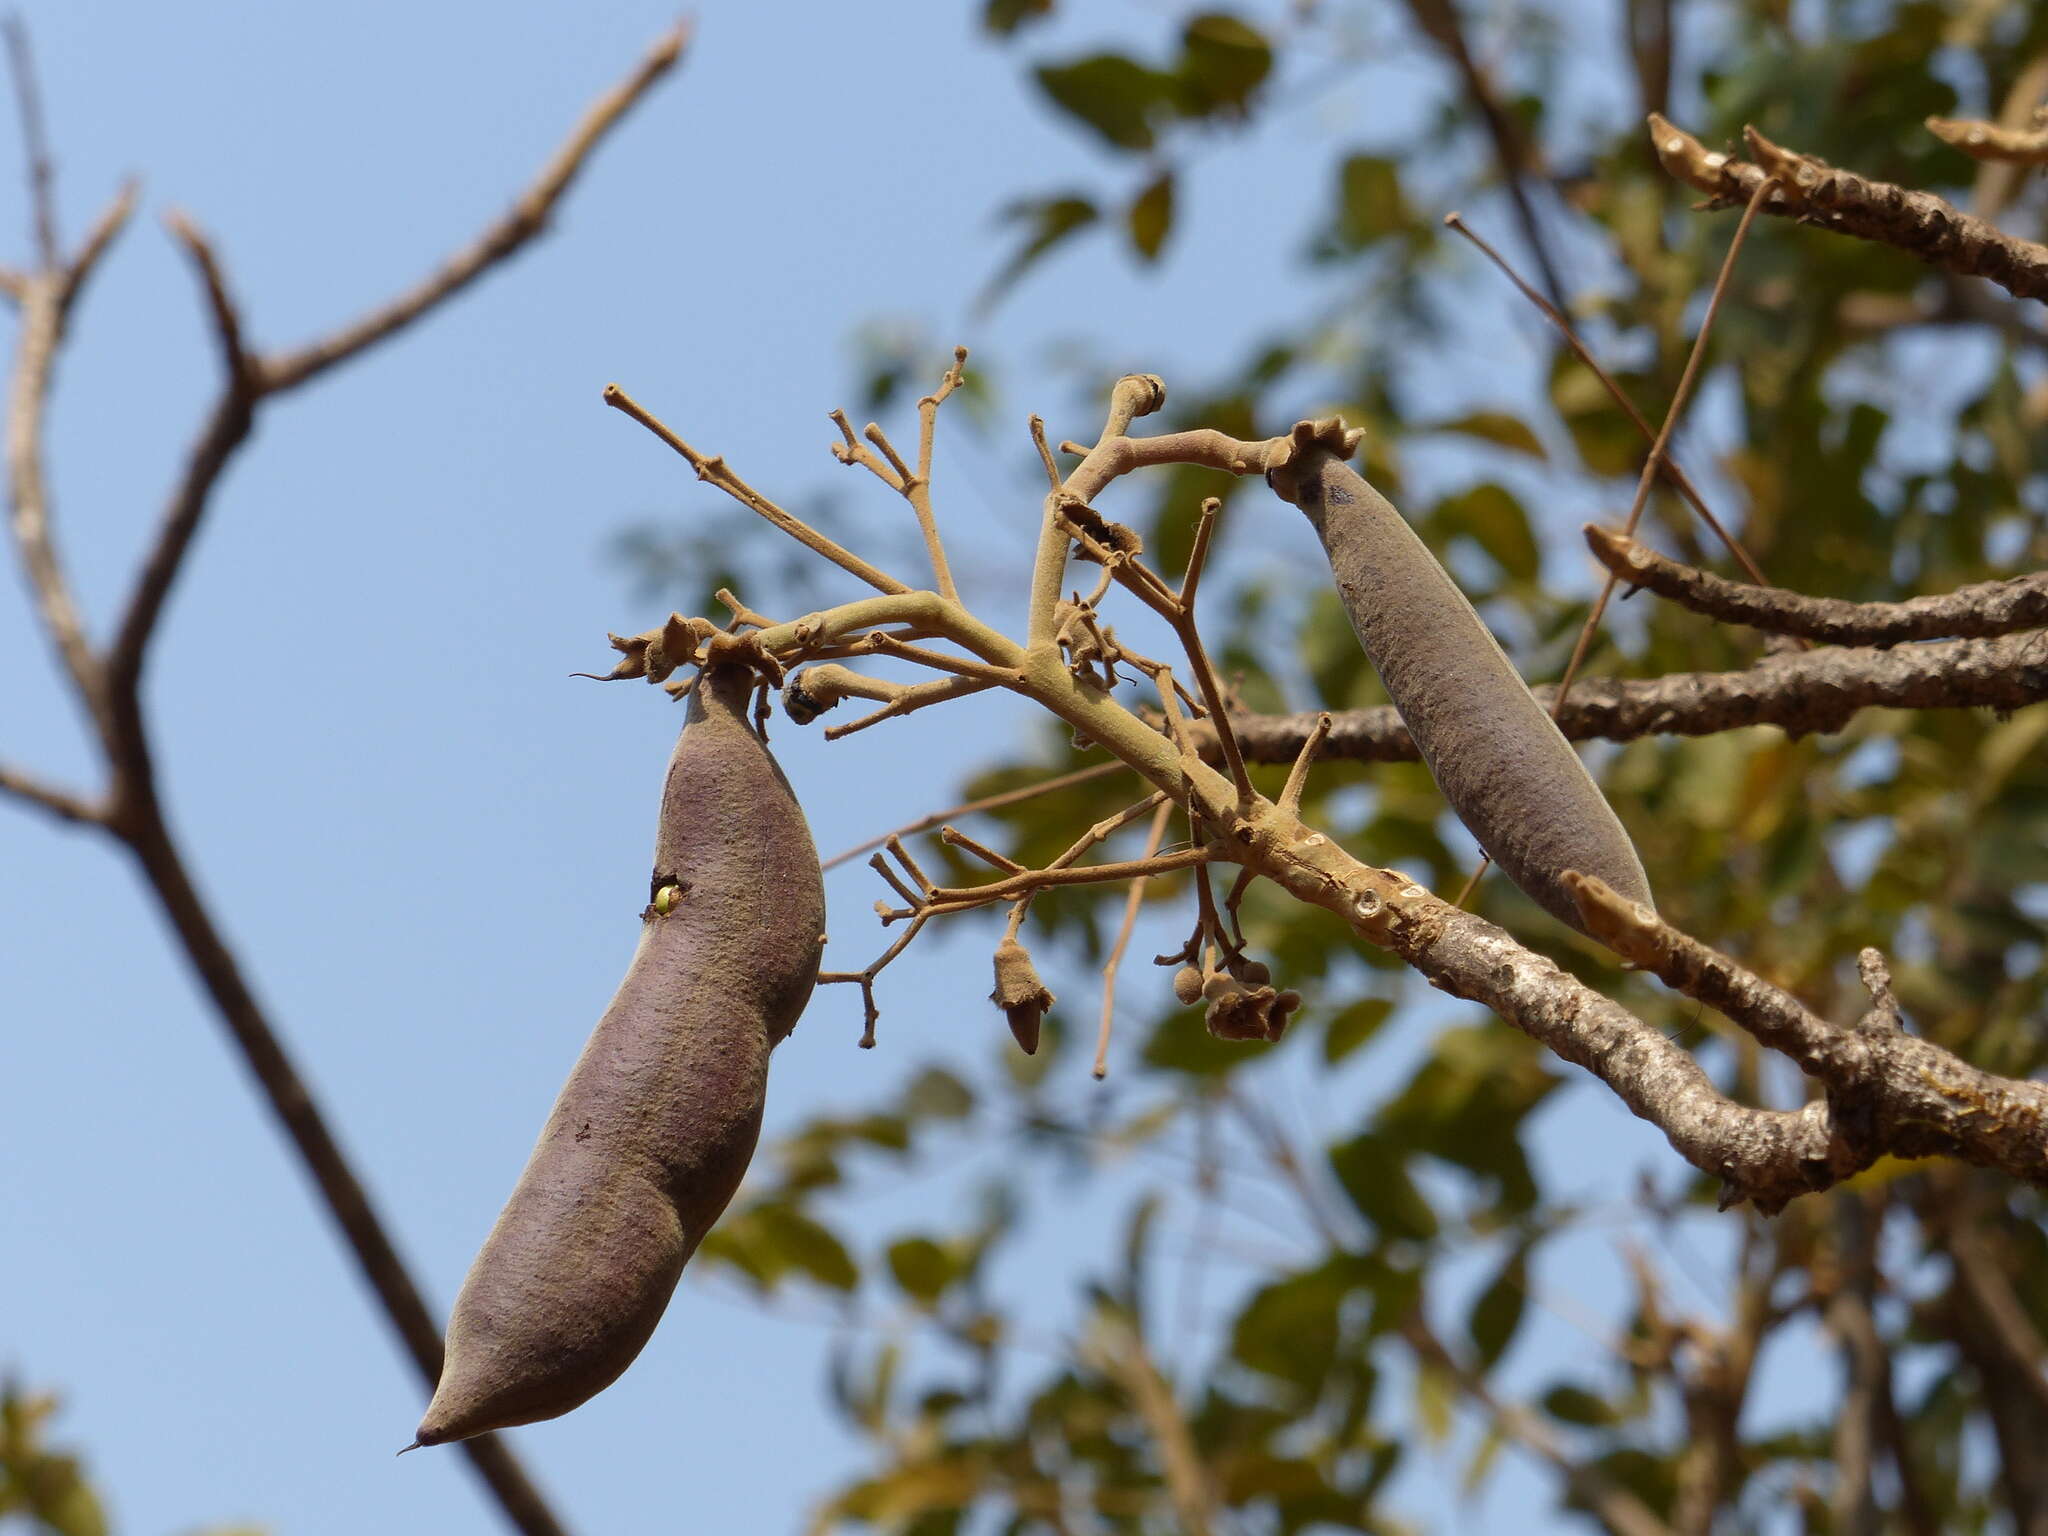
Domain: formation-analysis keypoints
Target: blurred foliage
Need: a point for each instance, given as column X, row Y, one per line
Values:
column 44, row 1491
column 1376, row 1267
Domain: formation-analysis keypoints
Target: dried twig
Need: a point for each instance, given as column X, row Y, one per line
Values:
column 1123, row 938
column 985, row 803
column 1992, row 141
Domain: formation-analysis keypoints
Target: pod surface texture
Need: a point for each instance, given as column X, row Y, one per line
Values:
column 653, row 1131
column 1496, row 754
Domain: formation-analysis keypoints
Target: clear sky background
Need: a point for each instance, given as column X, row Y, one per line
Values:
column 425, row 840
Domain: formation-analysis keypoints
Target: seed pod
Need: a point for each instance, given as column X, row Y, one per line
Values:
column 1020, row 994
column 1187, row 985
column 1498, row 757
column 657, row 1122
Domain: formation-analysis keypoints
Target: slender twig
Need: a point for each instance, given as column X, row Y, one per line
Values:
column 64, row 804
column 980, row 850
column 1110, row 966
column 1666, row 466
column 963, row 896
column 1672, row 415
column 527, row 217
column 1129, row 1363
column 1439, row 20
column 713, row 470
column 42, row 191
column 985, row 803
column 1297, row 776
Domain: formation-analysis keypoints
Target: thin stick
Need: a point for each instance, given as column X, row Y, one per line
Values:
column 1192, row 577
column 917, row 696
column 1668, row 466
column 974, row 807
column 1644, row 481
column 1086, row 874
column 981, row 851
column 525, row 219
column 61, row 803
column 1671, row 418
column 1297, row 776
column 41, row 179
column 919, row 489
column 1123, row 939
column 713, row 470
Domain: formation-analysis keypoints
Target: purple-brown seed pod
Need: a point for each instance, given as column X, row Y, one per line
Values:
column 1498, row 757
column 654, row 1129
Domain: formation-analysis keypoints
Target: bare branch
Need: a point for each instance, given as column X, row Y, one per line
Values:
column 985, row 803
column 1439, row 21
column 1807, row 693
column 526, row 218
column 1985, row 608
column 42, row 191
column 1153, row 837
column 64, row 804
column 1991, row 141
column 35, row 357
column 1893, row 1092
column 1667, row 466
column 1814, row 192
column 713, row 470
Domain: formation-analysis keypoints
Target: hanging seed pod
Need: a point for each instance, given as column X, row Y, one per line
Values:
column 1498, row 757
column 657, row 1122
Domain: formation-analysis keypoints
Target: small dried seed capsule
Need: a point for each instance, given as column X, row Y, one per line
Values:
column 1500, row 760
column 657, row 1122
column 1254, row 973
column 1020, row 994
column 1187, row 985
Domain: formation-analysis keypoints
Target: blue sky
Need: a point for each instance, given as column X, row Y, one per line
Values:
column 420, row 834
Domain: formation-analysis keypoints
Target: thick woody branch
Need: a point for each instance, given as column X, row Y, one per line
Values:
column 1814, row 192
column 1807, row 693
column 1986, row 608
column 1891, row 1091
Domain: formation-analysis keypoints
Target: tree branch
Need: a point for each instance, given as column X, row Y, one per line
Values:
column 1983, row 609
column 1814, row 192
column 64, row 804
column 1808, row 693
column 525, row 219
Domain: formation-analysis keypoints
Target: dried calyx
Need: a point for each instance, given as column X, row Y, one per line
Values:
column 1020, row 994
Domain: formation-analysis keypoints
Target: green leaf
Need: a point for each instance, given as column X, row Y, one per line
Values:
column 1575, row 1405
column 1350, row 1027
column 1492, row 518
column 1370, row 205
column 1223, row 63
column 921, row 1268
column 1049, row 220
column 1004, row 17
column 1373, row 1173
column 1151, row 216
column 1290, row 1329
column 936, row 1094
column 1180, row 1043
column 1497, row 1311
column 1117, row 97
column 1496, row 427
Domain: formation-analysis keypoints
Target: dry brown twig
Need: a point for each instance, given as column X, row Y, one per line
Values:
column 107, row 680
